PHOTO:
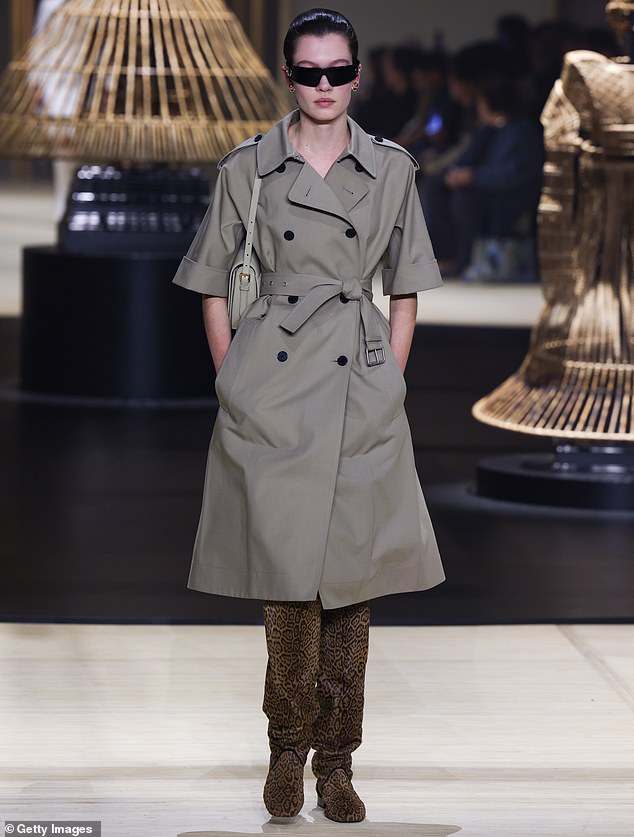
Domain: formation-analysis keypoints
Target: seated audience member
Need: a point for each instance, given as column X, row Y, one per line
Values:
column 548, row 42
column 512, row 33
column 493, row 187
column 435, row 125
column 400, row 104
column 464, row 70
column 369, row 104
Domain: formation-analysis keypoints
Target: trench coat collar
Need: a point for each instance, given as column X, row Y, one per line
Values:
column 275, row 147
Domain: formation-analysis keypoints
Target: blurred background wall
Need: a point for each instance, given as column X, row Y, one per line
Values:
column 457, row 22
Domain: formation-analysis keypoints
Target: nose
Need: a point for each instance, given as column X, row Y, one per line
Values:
column 324, row 84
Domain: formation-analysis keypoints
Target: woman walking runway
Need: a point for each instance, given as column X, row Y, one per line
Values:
column 311, row 499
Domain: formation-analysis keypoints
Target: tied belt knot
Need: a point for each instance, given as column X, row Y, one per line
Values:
column 353, row 289
column 317, row 290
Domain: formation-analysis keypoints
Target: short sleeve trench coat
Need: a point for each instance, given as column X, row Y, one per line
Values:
column 311, row 486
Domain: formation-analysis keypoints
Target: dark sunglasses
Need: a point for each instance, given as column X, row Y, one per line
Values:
column 311, row 76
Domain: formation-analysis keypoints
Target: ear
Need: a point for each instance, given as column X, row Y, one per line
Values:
column 285, row 71
column 356, row 82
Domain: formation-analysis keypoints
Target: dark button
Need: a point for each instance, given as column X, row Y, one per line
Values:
column 289, row 235
column 257, row 138
column 282, row 168
column 282, row 356
column 343, row 298
column 293, row 299
column 358, row 167
column 350, row 233
column 379, row 139
column 342, row 360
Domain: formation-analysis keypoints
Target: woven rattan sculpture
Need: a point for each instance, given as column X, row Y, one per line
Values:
column 577, row 381
column 136, row 80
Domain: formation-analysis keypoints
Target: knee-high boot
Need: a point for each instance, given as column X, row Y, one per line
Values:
column 292, row 636
column 337, row 730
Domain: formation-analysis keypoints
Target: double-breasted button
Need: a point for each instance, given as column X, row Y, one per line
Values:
column 350, row 232
column 342, row 360
column 379, row 139
column 293, row 299
column 343, row 298
column 358, row 167
column 289, row 235
column 282, row 168
column 257, row 138
column 282, row 356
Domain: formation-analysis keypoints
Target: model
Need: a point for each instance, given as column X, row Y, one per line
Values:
column 311, row 501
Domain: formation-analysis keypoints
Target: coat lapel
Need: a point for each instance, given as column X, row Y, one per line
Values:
column 347, row 186
column 309, row 189
column 353, row 190
column 340, row 194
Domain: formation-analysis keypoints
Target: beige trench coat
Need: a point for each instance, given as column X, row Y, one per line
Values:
column 311, row 485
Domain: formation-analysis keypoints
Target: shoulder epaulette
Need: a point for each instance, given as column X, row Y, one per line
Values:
column 386, row 143
column 247, row 142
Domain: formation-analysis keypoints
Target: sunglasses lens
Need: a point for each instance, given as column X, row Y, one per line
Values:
column 307, row 76
column 341, row 75
column 311, row 76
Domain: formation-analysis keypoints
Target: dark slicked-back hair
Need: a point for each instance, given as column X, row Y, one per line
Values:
column 320, row 22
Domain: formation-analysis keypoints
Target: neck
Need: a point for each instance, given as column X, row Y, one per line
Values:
column 308, row 135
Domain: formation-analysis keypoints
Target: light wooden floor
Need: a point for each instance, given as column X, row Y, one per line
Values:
column 483, row 731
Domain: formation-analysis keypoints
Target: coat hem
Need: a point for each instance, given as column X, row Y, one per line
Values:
column 327, row 604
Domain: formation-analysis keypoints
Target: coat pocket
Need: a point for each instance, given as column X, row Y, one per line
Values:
column 394, row 380
column 232, row 362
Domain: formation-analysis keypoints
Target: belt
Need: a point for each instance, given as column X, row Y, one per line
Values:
column 316, row 290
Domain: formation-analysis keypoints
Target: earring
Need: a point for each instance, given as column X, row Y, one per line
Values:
column 291, row 88
column 355, row 86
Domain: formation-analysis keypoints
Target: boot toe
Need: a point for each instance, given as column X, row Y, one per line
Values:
column 338, row 798
column 284, row 787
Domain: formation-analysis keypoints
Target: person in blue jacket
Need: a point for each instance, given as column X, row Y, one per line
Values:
column 493, row 187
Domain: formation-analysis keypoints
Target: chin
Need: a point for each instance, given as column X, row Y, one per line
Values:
column 327, row 115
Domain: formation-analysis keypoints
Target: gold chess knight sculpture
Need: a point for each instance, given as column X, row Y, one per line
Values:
column 577, row 381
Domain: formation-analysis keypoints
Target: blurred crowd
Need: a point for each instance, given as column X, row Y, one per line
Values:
column 471, row 119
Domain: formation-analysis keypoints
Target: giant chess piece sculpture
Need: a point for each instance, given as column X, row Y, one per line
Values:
column 577, row 381
column 145, row 92
column 576, row 385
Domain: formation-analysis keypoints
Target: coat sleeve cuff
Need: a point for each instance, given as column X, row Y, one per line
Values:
column 199, row 277
column 412, row 278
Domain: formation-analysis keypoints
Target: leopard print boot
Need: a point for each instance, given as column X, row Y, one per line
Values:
column 340, row 694
column 292, row 637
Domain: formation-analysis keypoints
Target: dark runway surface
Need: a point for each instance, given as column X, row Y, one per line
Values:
column 99, row 505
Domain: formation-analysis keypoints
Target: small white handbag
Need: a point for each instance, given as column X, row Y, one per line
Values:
column 244, row 279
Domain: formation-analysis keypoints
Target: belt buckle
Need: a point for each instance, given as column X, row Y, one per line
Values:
column 376, row 356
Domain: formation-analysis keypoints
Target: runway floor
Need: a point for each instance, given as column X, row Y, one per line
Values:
column 482, row 731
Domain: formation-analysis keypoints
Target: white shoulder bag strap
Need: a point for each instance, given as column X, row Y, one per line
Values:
column 248, row 242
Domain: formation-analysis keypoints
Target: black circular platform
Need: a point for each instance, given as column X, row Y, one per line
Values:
column 592, row 478
column 110, row 326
